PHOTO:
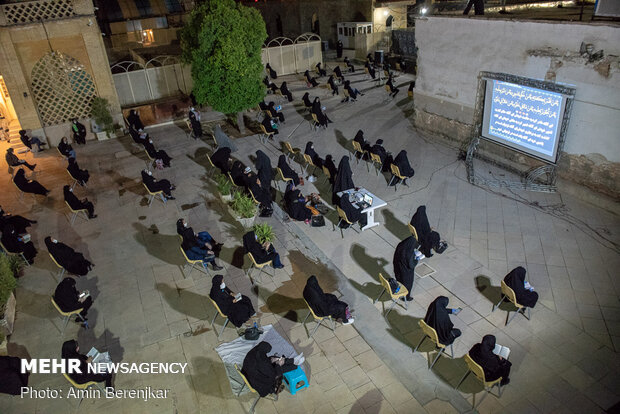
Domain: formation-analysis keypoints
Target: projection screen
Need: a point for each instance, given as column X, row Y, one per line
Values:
column 524, row 118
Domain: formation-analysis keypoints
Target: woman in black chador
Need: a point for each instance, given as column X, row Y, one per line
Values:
column 77, row 204
column 295, row 204
column 359, row 138
column 379, row 149
column 13, row 242
column 353, row 214
column 285, row 92
column 264, row 170
column 332, row 84
column 306, row 100
column 287, row 171
column 278, row 115
column 157, row 154
column 28, row 186
column 309, row 79
column 20, row 224
column 438, row 318
column 221, row 159
column 318, row 111
column 134, row 120
column 402, row 162
column 70, row 350
column 238, row 311
column 428, row 238
column 516, row 281
column 11, row 377
column 264, row 373
column 331, row 167
column 493, row 365
column 262, row 253
column 393, row 90
column 405, row 263
column 316, row 160
column 326, row 304
column 157, row 185
column 272, row 73
column 81, row 176
column 72, row 261
column 343, row 180
column 68, row 299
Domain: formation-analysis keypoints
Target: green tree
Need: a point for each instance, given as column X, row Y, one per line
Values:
column 222, row 41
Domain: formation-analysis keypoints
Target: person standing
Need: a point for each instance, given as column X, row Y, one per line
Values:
column 339, row 49
column 478, row 7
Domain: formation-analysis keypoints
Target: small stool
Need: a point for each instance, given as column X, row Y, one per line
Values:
column 296, row 380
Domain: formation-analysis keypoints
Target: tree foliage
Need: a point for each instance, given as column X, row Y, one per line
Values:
column 222, row 41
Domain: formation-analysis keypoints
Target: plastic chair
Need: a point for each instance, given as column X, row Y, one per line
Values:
column 246, row 383
column 190, row 134
column 314, row 123
column 76, row 212
column 75, row 180
column 309, row 162
column 318, row 319
column 348, row 98
column 291, row 152
column 150, row 160
column 414, row 233
column 259, row 266
column 84, row 386
column 193, row 263
column 343, row 217
column 508, row 293
column 367, row 72
column 8, row 253
column 231, row 179
column 253, row 198
column 11, row 173
column 152, row 195
column 21, row 193
column 285, row 179
column 212, row 166
column 265, row 135
column 66, row 315
column 62, row 269
column 410, row 94
column 432, row 334
column 376, row 162
column 473, row 366
column 402, row 292
column 396, row 174
column 220, row 313
column 357, row 148
column 327, row 174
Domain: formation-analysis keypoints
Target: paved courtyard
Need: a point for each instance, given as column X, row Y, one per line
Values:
column 565, row 359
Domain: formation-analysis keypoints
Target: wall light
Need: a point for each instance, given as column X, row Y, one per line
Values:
column 385, row 12
column 424, row 10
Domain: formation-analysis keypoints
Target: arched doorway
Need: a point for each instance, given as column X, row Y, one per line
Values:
column 9, row 124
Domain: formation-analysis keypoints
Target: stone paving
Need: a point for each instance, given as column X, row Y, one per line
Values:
column 564, row 359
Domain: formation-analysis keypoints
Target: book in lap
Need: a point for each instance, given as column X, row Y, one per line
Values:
column 99, row 357
column 502, row 351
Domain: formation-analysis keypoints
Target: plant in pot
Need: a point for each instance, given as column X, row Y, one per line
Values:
column 224, row 186
column 100, row 112
column 9, row 269
column 245, row 208
column 264, row 232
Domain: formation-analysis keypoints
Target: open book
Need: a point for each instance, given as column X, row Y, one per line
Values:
column 502, row 351
column 99, row 357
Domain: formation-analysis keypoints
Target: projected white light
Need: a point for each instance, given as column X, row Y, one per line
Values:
column 424, row 10
column 385, row 12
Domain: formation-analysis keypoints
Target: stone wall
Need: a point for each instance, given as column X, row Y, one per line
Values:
column 452, row 52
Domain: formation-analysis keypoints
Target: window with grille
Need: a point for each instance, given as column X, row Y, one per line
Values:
column 173, row 6
column 144, row 7
column 62, row 88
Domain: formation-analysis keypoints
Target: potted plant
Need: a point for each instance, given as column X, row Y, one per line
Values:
column 264, row 232
column 245, row 208
column 103, row 122
column 224, row 186
column 9, row 268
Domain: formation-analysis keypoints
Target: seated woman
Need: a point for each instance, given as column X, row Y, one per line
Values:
column 438, row 318
column 353, row 92
column 221, row 159
column 14, row 243
column 493, row 365
column 28, row 186
column 318, row 111
column 157, row 154
column 65, row 148
column 14, row 161
column 238, row 311
column 411, row 86
column 285, row 92
column 272, row 73
column 30, row 141
column 262, row 195
column 157, row 185
column 20, row 224
column 11, row 377
column 316, row 160
column 274, row 112
column 306, row 100
column 402, row 162
column 81, row 176
column 354, row 214
column 359, row 138
column 320, row 70
column 369, row 59
column 332, row 84
column 238, row 175
column 310, row 80
column 72, row 261
column 68, row 299
column 295, row 204
column 371, row 69
column 77, row 204
column 270, row 124
column 379, row 150
column 326, row 304
column 134, row 121
column 198, row 246
column 287, row 171
column 524, row 292
column 428, row 238
column 70, row 350
column 349, row 64
column 262, row 252
column 264, row 373
column 331, row 166
column 390, row 83
column 270, row 85
column 338, row 73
